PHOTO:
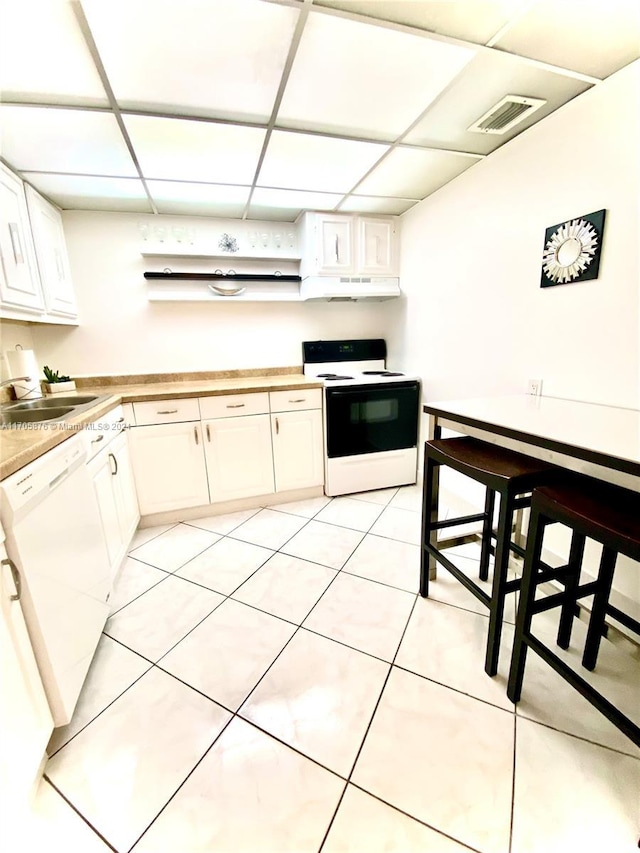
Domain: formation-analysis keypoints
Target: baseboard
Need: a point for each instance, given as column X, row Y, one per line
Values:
column 188, row 514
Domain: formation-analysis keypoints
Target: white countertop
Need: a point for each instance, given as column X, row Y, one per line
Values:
column 605, row 434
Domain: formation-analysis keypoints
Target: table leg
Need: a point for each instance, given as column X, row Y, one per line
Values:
column 434, row 432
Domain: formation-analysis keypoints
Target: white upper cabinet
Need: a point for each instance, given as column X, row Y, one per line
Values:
column 35, row 281
column 51, row 254
column 19, row 280
column 349, row 245
column 377, row 246
column 335, row 245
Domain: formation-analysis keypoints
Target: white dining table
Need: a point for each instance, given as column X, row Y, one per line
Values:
column 599, row 440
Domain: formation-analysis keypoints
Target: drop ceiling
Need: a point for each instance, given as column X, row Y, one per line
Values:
column 260, row 109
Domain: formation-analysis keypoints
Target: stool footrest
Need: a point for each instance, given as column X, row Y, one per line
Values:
column 605, row 707
column 455, row 571
column 453, row 522
column 623, row 618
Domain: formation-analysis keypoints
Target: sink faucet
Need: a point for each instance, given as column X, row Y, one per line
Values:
column 15, row 379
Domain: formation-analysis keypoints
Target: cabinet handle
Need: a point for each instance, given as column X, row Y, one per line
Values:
column 195, row 433
column 208, row 433
column 14, row 233
column 17, row 580
column 235, row 405
column 120, row 421
column 300, row 400
column 114, row 471
column 277, row 427
column 337, row 250
column 59, row 267
column 96, row 440
column 165, row 412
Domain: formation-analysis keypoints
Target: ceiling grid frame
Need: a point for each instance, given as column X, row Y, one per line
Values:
column 424, row 141
column 115, row 108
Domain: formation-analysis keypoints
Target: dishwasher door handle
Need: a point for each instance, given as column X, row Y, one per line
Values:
column 17, row 580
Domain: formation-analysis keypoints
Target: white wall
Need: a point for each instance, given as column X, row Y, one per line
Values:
column 12, row 334
column 122, row 332
column 479, row 323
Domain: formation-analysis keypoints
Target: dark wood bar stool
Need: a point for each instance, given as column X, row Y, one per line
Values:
column 505, row 472
column 611, row 516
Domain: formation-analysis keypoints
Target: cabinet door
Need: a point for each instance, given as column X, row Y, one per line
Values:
column 102, row 477
column 19, row 282
column 168, row 466
column 51, row 254
column 335, row 245
column 25, row 718
column 124, row 489
column 239, row 460
column 376, row 247
column 298, row 449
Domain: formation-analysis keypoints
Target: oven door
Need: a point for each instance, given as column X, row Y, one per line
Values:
column 372, row 418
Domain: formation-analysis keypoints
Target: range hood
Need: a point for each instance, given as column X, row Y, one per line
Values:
column 349, row 288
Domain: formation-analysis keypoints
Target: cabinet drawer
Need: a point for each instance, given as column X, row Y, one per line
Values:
column 166, row 411
column 98, row 434
column 234, row 405
column 291, row 401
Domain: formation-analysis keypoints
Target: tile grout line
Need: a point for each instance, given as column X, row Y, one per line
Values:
column 373, row 714
column 79, row 813
column 349, row 781
column 513, row 781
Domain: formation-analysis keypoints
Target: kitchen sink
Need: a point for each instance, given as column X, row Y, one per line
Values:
column 48, row 408
column 11, row 416
column 53, row 403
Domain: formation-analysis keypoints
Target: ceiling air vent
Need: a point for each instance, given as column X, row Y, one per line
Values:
column 506, row 113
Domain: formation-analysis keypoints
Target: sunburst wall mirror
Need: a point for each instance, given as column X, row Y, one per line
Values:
column 572, row 250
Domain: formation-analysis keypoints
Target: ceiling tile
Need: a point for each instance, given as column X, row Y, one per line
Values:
column 199, row 57
column 48, row 61
column 594, row 37
column 45, row 139
column 84, row 192
column 481, row 85
column 287, row 205
column 474, row 20
column 376, row 204
column 279, row 214
column 374, row 82
column 302, row 161
column 199, row 199
column 179, row 149
column 268, row 197
column 412, row 172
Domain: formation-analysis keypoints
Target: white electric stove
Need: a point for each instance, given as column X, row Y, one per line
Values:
column 371, row 415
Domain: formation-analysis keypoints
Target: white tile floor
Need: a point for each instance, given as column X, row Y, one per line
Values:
column 270, row 681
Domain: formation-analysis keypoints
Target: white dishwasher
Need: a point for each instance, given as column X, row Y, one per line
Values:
column 54, row 537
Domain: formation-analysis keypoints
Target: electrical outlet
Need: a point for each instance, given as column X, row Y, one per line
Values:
column 534, row 387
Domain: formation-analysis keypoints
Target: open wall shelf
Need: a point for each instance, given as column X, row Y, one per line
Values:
column 206, row 276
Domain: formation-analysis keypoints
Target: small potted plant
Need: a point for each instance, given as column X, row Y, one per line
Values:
column 57, row 384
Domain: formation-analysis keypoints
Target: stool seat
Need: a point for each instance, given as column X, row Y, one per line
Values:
column 496, row 467
column 604, row 512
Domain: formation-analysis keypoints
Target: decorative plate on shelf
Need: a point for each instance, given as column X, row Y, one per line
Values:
column 572, row 250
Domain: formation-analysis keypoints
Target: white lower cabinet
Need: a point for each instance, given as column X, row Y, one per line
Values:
column 25, row 717
column 116, row 494
column 297, row 449
column 168, row 466
column 238, row 457
column 225, row 448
